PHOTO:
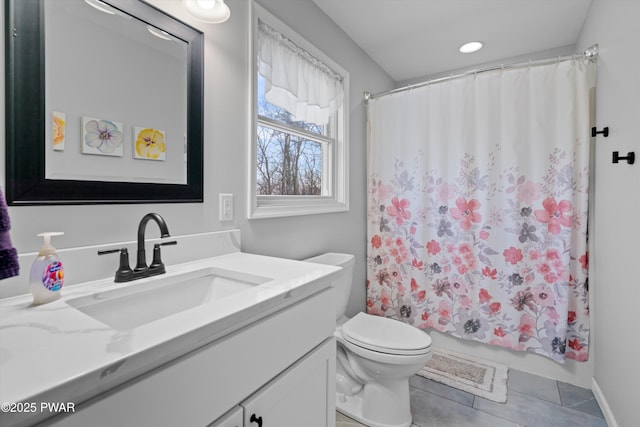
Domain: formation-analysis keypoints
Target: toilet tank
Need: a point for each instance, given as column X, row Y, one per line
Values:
column 344, row 280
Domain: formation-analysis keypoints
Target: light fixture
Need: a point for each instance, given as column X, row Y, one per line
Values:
column 158, row 33
column 470, row 47
column 102, row 7
column 211, row 11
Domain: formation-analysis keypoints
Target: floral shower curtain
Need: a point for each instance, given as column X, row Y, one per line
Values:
column 477, row 207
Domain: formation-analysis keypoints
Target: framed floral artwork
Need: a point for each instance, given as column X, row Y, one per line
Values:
column 102, row 137
column 149, row 143
column 58, row 134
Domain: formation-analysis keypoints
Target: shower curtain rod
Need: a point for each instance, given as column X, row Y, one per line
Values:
column 590, row 54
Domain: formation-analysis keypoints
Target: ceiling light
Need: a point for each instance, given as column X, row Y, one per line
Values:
column 211, row 11
column 102, row 7
column 158, row 33
column 470, row 47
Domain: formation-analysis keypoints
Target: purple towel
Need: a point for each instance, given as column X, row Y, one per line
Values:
column 9, row 266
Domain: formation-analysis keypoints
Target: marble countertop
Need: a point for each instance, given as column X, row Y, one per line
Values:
column 56, row 353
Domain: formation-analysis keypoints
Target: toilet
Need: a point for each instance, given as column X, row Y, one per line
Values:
column 376, row 356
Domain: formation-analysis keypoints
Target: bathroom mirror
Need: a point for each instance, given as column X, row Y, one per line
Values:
column 104, row 104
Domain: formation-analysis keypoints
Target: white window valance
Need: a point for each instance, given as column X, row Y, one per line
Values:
column 295, row 80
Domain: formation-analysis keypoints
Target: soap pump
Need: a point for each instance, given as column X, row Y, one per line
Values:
column 47, row 276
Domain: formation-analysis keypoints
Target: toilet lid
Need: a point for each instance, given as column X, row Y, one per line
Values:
column 385, row 335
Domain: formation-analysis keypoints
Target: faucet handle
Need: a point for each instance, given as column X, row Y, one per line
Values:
column 157, row 266
column 124, row 272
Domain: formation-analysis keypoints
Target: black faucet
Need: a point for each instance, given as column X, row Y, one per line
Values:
column 141, row 263
column 125, row 273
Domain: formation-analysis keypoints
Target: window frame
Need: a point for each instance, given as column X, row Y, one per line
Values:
column 335, row 180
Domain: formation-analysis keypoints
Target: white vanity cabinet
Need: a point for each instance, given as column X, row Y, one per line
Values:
column 234, row 418
column 303, row 395
column 279, row 368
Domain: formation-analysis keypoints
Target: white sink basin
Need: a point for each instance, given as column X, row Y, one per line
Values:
column 137, row 304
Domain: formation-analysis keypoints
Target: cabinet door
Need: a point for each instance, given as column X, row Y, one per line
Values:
column 232, row 418
column 303, row 395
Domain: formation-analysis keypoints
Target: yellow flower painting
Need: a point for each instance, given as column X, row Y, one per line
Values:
column 150, row 144
column 59, row 120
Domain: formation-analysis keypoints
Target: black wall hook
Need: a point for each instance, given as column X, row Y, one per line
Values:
column 604, row 132
column 630, row 157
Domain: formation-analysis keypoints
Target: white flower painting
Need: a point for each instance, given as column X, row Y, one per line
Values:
column 102, row 137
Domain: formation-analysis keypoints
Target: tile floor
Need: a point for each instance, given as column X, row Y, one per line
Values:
column 532, row 401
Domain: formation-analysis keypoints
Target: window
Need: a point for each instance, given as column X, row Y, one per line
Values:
column 299, row 145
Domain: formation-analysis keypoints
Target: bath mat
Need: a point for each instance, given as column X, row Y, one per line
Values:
column 479, row 377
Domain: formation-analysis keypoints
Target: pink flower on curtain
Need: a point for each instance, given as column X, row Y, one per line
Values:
column 382, row 191
column 459, row 288
column 584, row 261
column 575, row 344
column 385, row 298
column 376, row 242
column 446, row 192
column 527, row 325
column 552, row 314
column 528, row 192
column 465, row 212
column 554, row 214
column 433, row 247
column 495, row 307
column 553, row 255
column 399, row 210
column 444, row 309
column 484, row 295
column 543, row 296
column 513, row 255
column 465, row 302
column 398, row 250
column 400, row 289
column 488, row 272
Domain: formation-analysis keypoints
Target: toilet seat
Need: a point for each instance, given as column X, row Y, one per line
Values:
column 384, row 335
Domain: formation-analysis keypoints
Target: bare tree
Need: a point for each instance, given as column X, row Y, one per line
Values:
column 287, row 164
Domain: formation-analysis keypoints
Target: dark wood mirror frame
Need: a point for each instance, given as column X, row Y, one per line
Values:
column 25, row 116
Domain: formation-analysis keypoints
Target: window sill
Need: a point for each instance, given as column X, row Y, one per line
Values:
column 282, row 208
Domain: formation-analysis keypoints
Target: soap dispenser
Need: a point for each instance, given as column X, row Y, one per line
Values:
column 47, row 276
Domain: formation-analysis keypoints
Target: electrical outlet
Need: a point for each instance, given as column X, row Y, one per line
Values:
column 226, row 207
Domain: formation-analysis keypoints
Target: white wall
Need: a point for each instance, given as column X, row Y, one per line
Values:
column 226, row 140
column 613, row 24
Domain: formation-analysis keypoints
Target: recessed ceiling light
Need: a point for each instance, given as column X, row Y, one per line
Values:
column 211, row 11
column 470, row 47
